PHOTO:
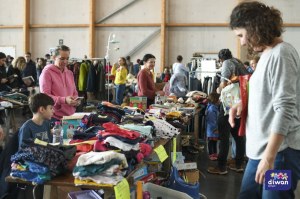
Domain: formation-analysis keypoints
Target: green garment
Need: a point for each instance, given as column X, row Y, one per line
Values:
column 83, row 76
column 95, row 169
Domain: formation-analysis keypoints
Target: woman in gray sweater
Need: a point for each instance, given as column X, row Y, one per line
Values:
column 273, row 121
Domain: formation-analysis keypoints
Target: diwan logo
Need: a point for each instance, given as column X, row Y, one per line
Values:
column 278, row 180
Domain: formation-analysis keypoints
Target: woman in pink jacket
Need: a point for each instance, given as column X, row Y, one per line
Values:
column 57, row 81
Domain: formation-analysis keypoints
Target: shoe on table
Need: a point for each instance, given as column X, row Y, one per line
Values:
column 238, row 169
column 217, row 170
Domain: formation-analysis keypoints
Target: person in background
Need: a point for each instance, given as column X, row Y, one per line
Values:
column 3, row 73
column 253, row 62
column 29, row 70
column 41, row 63
column 146, row 86
column 16, row 71
column 41, row 106
column 58, row 82
column 273, row 120
column 212, row 133
column 120, row 72
column 166, row 75
column 248, row 67
column 48, row 59
column 178, row 67
column 136, row 67
column 231, row 67
column 129, row 65
column 9, row 60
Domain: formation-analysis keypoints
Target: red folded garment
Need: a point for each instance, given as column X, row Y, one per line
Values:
column 113, row 129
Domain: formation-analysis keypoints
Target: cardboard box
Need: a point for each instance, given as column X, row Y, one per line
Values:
column 139, row 102
column 191, row 175
column 186, row 166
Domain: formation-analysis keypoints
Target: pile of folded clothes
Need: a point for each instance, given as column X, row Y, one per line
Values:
column 99, row 168
column 37, row 163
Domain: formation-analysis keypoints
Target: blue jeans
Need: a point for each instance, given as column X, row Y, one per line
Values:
column 120, row 90
column 287, row 159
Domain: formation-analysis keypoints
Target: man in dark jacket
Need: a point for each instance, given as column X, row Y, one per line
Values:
column 29, row 70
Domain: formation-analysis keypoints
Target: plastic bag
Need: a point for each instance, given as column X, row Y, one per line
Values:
column 230, row 95
column 244, row 91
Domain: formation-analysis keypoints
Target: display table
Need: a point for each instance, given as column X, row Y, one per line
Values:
column 66, row 181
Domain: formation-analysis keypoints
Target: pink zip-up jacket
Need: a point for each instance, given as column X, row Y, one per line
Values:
column 58, row 85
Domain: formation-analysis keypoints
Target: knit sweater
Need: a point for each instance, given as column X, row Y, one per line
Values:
column 274, row 100
column 146, row 84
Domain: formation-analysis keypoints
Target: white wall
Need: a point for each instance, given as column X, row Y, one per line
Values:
column 179, row 40
column 59, row 11
column 44, row 38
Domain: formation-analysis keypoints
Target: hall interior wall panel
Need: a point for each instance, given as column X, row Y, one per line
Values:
column 291, row 35
column 44, row 38
column 186, row 41
column 129, row 38
column 12, row 37
column 142, row 11
column 200, row 11
column 11, row 12
column 59, row 12
column 288, row 8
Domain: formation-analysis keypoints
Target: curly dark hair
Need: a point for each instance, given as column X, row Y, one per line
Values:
column 262, row 23
column 225, row 54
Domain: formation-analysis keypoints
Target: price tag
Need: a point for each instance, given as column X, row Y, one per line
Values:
column 161, row 153
column 174, row 149
column 40, row 142
column 122, row 190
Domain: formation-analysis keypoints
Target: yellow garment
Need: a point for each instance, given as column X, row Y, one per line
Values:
column 120, row 74
column 78, row 182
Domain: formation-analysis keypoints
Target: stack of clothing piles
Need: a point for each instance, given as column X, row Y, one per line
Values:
column 98, row 168
column 128, row 141
column 37, row 163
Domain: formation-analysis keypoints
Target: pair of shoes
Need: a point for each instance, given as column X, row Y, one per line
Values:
column 231, row 161
column 192, row 150
column 217, row 170
column 198, row 147
column 212, row 157
column 238, row 169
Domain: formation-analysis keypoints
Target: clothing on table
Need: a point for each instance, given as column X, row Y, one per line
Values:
column 83, row 75
column 58, row 85
column 30, row 130
column 146, row 86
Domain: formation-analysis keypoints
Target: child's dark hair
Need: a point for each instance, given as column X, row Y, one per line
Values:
column 39, row 100
column 213, row 98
